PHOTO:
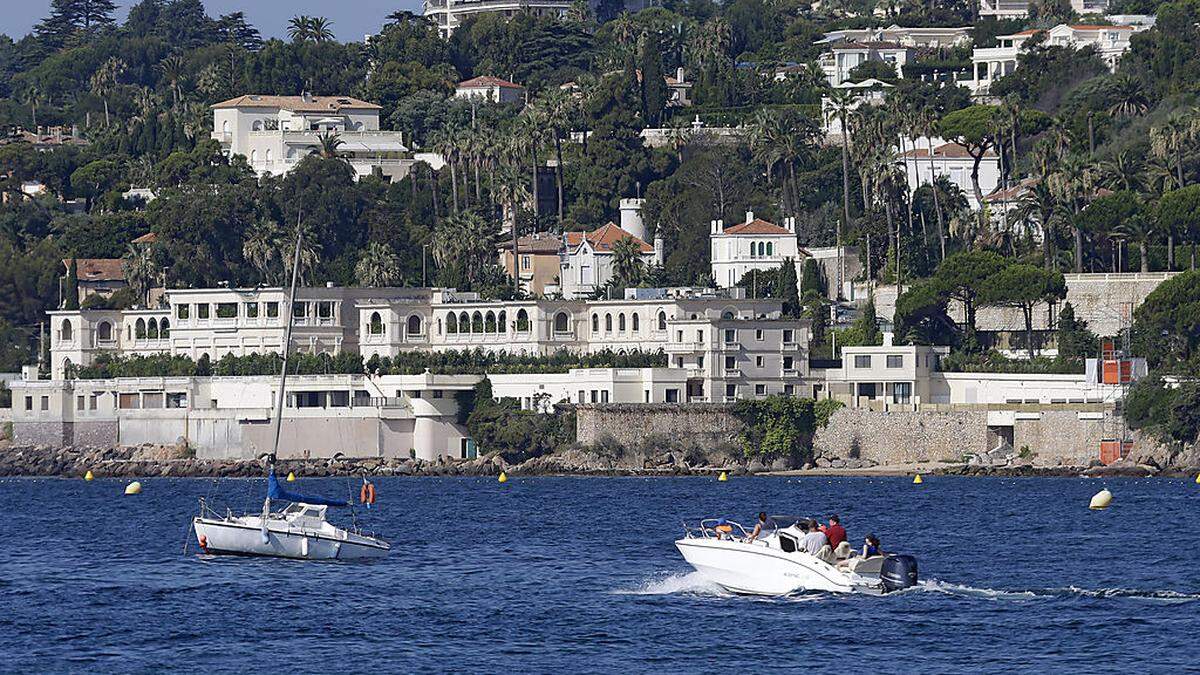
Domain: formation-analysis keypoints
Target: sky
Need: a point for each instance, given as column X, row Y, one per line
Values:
column 352, row 19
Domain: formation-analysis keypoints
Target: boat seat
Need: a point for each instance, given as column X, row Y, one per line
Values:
column 867, row 566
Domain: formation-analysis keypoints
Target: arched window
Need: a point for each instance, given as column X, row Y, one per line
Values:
column 225, row 127
column 375, row 325
column 502, row 321
column 66, row 333
column 561, row 322
column 662, row 320
column 104, row 331
column 415, row 326
column 522, row 321
column 139, row 329
column 489, row 322
column 608, row 323
column 770, row 248
column 152, row 329
column 727, row 315
column 476, row 322
column 257, row 126
column 464, row 322
column 621, row 322
column 634, row 319
column 253, row 156
column 595, row 323
column 451, row 323
column 164, row 329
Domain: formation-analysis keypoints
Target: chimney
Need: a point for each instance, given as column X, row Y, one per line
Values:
column 712, row 227
column 749, row 216
column 679, row 74
column 306, row 96
column 659, row 253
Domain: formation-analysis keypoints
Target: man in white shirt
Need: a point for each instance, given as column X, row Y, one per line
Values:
column 811, row 542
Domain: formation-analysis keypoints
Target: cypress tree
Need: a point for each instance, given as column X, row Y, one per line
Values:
column 71, row 286
column 653, row 86
column 787, row 289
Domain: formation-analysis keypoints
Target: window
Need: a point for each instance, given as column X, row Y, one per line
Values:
column 182, row 311
column 758, row 362
column 226, row 310
column 758, row 335
column 375, row 324
column 789, row 390
column 700, row 336
column 679, row 336
column 324, row 310
column 895, row 361
column 202, row 310
column 621, row 322
column 760, row 390
column 415, row 325
column 730, row 363
column 65, row 334
column 489, row 322
column 526, row 262
column 788, row 336
column 502, row 321
column 436, row 393
column 595, row 323
column 252, row 310
column 582, row 396
column 29, row 403
column 561, row 321
column 451, row 324
column 152, row 329
column 139, row 329
column 633, row 322
column 299, row 310
column 104, row 331
column 789, row 363
column 662, row 320
column 902, row 393
column 595, row 396
column 770, row 248
column 730, row 336
column 604, row 396
column 272, row 310
column 164, row 329
column 45, row 403
column 608, row 323
column 476, row 322
column 862, row 361
column 672, row 395
column 731, row 391
column 700, row 361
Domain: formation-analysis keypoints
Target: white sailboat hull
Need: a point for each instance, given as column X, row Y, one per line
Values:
column 757, row 569
column 244, row 536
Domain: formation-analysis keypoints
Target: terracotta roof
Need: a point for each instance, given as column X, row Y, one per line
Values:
column 148, row 238
column 297, row 103
column 945, row 151
column 756, row 226
column 539, row 243
column 97, row 269
column 603, row 238
column 487, row 81
column 1012, row 193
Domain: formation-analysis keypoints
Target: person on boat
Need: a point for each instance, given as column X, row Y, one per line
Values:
column 834, row 532
column 813, row 538
column 870, row 549
column 723, row 529
column 764, row 523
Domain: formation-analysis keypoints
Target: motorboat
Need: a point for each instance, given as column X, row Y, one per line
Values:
column 299, row 530
column 774, row 563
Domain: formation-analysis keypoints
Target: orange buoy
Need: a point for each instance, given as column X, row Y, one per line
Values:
column 366, row 494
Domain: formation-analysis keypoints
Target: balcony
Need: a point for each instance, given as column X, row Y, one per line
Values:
column 791, row 373
column 733, row 372
column 684, row 347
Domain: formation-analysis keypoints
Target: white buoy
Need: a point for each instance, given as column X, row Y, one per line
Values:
column 1101, row 500
column 134, row 488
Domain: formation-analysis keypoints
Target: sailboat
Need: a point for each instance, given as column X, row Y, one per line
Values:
column 298, row 530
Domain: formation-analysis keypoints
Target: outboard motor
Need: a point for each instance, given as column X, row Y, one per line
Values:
column 897, row 572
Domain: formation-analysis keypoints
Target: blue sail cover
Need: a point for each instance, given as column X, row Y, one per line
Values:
column 277, row 491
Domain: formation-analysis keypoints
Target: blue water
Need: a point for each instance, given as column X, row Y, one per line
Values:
column 580, row 574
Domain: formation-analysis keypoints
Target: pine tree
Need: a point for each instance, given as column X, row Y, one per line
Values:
column 71, row 286
column 788, row 290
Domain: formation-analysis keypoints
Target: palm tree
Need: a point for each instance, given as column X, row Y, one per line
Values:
column 104, row 80
column 1122, row 172
column 844, row 106
column 449, row 143
column 465, row 239
column 173, row 70
column 378, row 266
column 627, row 262
column 262, row 247
column 1071, row 183
column 1040, row 206
column 32, row 96
column 512, row 191
column 1129, row 97
column 557, row 106
column 1141, row 231
column 1168, row 140
column 139, row 268
column 320, row 29
column 298, row 28
column 526, row 140
column 328, row 144
column 306, row 28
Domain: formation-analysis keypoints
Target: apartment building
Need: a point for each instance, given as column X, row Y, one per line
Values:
column 274, row 133
column 844, row 57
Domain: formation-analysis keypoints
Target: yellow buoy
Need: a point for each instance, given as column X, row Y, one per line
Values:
column 917, row 480
column 291, row 477
column 1101, row 500
column 723, row 477
column 134, row 488
column 503, row 477
column 1198, row 478
column 88, row 475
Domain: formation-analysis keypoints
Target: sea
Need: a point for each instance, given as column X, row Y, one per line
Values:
column 580, row 575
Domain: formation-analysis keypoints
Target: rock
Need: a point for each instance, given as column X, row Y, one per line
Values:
column 838, row 463
column 823, row 462
column 809, row 466
column 756, row 466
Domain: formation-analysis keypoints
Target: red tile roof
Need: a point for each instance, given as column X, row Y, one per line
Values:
column 97, row 269
column 297, row 103
column 148, row 238
column 603, row 238
column 487, row 81
column 756, row 226
column 540, row 243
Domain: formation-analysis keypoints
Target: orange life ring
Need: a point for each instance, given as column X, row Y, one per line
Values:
column 203, row 543
column 367, row 494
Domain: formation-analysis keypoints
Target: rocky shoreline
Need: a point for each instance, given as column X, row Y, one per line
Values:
column 168, row 461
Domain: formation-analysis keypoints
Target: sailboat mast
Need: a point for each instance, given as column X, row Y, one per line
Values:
column 287, row 343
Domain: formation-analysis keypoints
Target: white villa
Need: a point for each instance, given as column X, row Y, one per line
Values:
column 990, row 63
column 751, row 245
column 1019, row 9
column 447, row 15
column 906, row 36
column 490, row 89
column 844, row 57
column 586, row 258
column 274, row 133
column 953, row 161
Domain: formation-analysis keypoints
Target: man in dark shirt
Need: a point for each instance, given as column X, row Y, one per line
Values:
column 834, row 531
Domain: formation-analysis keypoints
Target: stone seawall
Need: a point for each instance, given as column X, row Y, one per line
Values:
column 711, row 426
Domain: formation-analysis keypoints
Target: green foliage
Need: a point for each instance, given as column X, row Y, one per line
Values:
column 824, row 409
column 1075, row 341
column 107, row 365
column 1166, row 326
column 71, row 286
column 501, row 426
column 776, row 426
column 995, row 362
column 788, row 291
column 479, row 361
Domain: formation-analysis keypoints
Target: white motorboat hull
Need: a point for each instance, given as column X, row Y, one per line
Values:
column 244, row 536
column 756, row 569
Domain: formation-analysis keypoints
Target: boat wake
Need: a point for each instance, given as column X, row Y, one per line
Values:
column 684, row 583
column 947, row 588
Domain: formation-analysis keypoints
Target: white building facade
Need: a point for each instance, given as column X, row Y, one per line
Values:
column 991, row 63
column 751, row 245
column 274, row 133
column 955, row 163
column 447, row 15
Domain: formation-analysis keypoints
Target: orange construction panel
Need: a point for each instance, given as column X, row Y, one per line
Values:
column 1110, row 372
column 1110, row 451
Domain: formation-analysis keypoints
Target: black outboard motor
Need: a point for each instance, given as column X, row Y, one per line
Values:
column 897, row 572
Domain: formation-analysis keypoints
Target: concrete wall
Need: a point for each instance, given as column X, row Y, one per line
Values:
column 710, row 426
column 1055, row 437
